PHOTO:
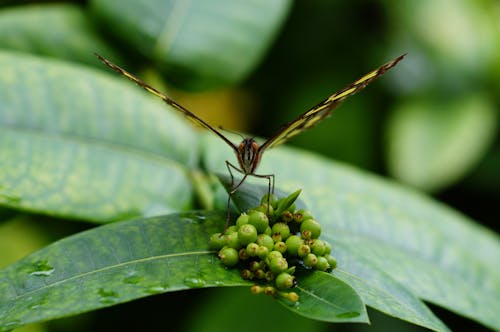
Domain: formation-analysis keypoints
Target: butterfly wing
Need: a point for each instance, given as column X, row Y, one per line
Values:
column 187, row 113
column 319, row 112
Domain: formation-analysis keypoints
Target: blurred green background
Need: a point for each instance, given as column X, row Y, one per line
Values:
column 432, row 122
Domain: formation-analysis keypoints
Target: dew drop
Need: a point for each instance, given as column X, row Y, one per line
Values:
column 349, row 314
column 107, row 296
column 194, row 282
column 157, row 289
column 41, row 269
column 132, row 279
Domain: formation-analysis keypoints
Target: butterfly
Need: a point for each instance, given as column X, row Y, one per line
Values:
column 248, row 151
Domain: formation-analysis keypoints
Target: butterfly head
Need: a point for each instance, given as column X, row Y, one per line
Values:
column 248, row 155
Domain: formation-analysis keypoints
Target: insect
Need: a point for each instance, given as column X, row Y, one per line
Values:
column 249, row 152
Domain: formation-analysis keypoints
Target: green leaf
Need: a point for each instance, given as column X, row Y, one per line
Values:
column 79, row 144
column 198, row 44
column 113, row 264
column 56, row 30
column 127, row 260
column 325, row 297
column 433, row 144
column 395, row 245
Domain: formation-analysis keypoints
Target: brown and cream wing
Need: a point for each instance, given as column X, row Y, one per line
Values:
column 187, row 113
column 322, row 110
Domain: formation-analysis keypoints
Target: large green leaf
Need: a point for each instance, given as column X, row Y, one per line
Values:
column 77, row 143
column 200, row 44
column 393, row 244
column 127, row 260
column 56, row 30
column 433, row 144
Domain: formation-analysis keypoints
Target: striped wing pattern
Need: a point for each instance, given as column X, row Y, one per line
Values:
column 319, row 112
column 187, row 113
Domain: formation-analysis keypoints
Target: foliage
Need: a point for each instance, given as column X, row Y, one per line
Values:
column 79, row 143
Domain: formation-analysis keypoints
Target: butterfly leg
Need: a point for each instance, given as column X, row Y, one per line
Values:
column 270, row 189
column 233, row 190
column 229, row 166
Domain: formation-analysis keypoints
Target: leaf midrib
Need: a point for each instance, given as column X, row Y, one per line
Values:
column 106, row 268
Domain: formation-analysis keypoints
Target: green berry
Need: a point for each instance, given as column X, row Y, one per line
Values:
column 332, row 261
column 303, row 250
column 247, row 234
column 228, row 256
column 232, row 240
column 322, row 264
column 262, row 252
column 318, row 247
column 285, row 281
column 328, row 248
column 269, row 276
column 298, row 217
column 242, row 220
column 231, row 229
column 305, row 214
column 278, row 265
column 310, row 229
column 265, row 240
column 292, row 244
column 310, row 260
column 256, row 289
column 286, row 216
column 282, row 229
column 280, row 246
column 252, row 249
column 254, row 266
column 217, row 241
column 242, row 254
column 268, row 231
column 247, row 274
column 274, row 254
column 269, row 290
column 259, row 220
column 260, row 274
column 291, row 296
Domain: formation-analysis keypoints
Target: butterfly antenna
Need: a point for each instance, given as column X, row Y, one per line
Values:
column 232, row 132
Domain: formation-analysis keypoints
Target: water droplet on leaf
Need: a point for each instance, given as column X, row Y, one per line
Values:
column 157, row 289
column 194, row 282
column 107, row 296
column 132, row 279
column 42, row 268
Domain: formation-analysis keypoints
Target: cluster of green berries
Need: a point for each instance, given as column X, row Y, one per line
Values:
column 270, row 240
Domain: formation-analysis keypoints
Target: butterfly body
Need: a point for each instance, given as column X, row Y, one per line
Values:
column 248, row 152
column 248, row 155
